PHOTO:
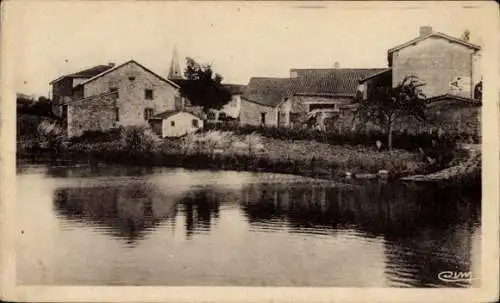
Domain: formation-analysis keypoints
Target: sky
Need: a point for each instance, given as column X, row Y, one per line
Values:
column 240, row 39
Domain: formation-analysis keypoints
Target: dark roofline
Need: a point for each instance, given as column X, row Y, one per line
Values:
column 259, row 103
column 172, row 113
column 376, row 75
column 75, row 75
column 433, row 34
column 125, row 63
column 324, row 95
column 443, row 97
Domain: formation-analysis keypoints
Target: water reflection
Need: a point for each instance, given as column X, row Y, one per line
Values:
column 125, row 211
column 248, row 233
column 425, row 230
column 200, row 208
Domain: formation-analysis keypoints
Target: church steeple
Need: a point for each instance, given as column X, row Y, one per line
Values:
column 175, row 71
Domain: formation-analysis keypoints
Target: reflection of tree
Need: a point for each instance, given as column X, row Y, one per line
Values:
column 127, row 211
column 199, row 208
column 425, row 229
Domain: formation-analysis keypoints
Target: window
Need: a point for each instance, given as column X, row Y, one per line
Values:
column 113, row 89
column 195, row 122
column 222, row 116
column 148, row 113
column 172, row 123
column 117, row 114
column 148, row 94
column 263, row 118
column 211, row 116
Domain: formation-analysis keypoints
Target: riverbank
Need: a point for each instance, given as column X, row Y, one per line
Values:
column 249, row 153
column 463, row 172
column 227, row 150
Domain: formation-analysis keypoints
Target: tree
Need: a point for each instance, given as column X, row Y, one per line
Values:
column 203, row 87
column 387, row 105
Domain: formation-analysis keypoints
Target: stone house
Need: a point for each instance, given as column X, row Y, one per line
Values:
column 262, row 100
column 446, row 65
column 328, row 95
column 175, row 123
column 450, row 69
column 61, row 89
column 127, row 94
column 232, row 108
column 314, row 97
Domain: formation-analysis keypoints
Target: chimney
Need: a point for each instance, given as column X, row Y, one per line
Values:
column 112, row 64
column 336, row 65
column 425, row 30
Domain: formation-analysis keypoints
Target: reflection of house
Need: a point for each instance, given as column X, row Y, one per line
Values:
column 127, row 94
column 175, row 123
column 124, row 211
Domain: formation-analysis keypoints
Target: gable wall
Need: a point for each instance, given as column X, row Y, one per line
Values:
column 436, row 62
column 131, row 101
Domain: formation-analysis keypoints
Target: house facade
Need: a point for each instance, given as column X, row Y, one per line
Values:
column 61, row 89
column 446, row 65
column 262, row 99
column 175, row 123
column 232, row 108
column 449, row 68
column 127, row 94
column 313, row 97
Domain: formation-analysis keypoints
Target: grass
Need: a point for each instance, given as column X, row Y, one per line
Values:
column 251, row 152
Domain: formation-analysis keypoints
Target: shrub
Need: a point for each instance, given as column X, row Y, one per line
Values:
column 51, row 135
column 91, row 136
column 139, row 139
column 207, row 141
column 401, row 140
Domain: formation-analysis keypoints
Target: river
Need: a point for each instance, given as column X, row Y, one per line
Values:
column 113, row 225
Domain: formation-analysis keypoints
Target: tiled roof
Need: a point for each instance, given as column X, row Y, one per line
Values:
column 331, row 81
column 91, row 72
column 434, row 34
column 267, row 91
column 87, row 73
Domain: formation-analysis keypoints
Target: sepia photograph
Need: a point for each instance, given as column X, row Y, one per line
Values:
column 242, row 150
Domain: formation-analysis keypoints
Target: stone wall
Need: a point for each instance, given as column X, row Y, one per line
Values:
column 452, row 117
column 437, row 62
column 131, row 81
column 97, row 113
column 250, row 113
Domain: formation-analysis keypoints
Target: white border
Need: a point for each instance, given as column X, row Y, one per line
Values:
column 490, row 214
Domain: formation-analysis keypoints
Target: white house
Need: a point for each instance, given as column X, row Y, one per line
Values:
column 175, row 123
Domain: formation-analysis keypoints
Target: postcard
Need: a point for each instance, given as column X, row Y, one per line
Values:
column 215, row 151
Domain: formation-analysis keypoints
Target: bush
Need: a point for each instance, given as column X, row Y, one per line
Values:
column 401, row 140
column 51, row 135
column 139, row 139
column 92, row 136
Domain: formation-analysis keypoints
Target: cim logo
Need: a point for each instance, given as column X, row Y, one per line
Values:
column 455, row 276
